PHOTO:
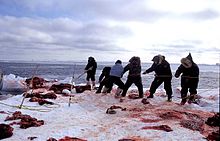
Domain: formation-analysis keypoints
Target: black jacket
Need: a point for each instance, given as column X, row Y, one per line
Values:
column 105, row 73
column 91, row 65
column 162, row 69
column 134, row 67
column 193, row 71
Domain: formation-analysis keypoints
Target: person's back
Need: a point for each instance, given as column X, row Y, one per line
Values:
column 163, row 69
column 115, row 77
column 134, row 67
column 106, row 71
column 117, row 69
column 134, row 76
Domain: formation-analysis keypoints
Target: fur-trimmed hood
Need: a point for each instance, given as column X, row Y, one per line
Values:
column 187, row 62
column 135, row 61
column 158, row 59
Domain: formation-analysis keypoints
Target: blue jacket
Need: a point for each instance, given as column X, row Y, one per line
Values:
column 117, row 70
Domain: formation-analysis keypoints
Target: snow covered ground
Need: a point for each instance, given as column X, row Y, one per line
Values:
column 86, row 117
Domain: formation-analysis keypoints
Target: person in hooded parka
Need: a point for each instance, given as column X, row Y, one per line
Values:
column 189, row 78
column 134, row 76
column 90, row 69
column 163, row 74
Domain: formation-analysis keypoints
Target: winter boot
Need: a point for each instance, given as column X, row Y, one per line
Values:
column 118, row 93
column 105, row 90
column 191, row 98
column 98, row 91
column 183, row 101
column 169, row 99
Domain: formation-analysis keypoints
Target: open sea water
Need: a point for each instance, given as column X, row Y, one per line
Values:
column 209, row 74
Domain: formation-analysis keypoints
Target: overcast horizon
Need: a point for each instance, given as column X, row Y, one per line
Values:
column 108, row 30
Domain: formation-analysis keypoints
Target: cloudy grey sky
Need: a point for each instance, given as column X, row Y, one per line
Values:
column 73, row 30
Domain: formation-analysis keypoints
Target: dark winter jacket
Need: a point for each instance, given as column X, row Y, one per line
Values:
column 134, row 67
column 192, row 71
column 105, row 73
column 161, row 69
column 91, row 66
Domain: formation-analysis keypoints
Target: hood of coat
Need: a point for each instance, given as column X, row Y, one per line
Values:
column 135, row 61
column 187, row 61
column 91, row 59
column 158, row 59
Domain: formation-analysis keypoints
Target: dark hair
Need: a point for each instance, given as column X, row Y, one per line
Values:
column 118, row 62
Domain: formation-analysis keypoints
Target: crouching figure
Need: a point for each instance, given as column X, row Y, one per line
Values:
column 116, row 74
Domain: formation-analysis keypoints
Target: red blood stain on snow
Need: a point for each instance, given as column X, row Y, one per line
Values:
column 160, row 127
column 66, row 138
column 170, row 113
column 149, row 120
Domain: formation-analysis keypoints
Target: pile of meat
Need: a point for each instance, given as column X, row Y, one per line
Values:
column 26, row 120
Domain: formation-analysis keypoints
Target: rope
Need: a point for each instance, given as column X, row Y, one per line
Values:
column 164, row 76
column 84, row 72
column 174, row 76
column 27, row 107
column 190, row 77
column 52, row 106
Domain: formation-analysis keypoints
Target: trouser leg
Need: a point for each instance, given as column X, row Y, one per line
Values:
column 100, row 87
column 109, row 84
column 127, row 85
column 184, row 91
column 168, row 88
column 138, row 83
column 154, row 85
